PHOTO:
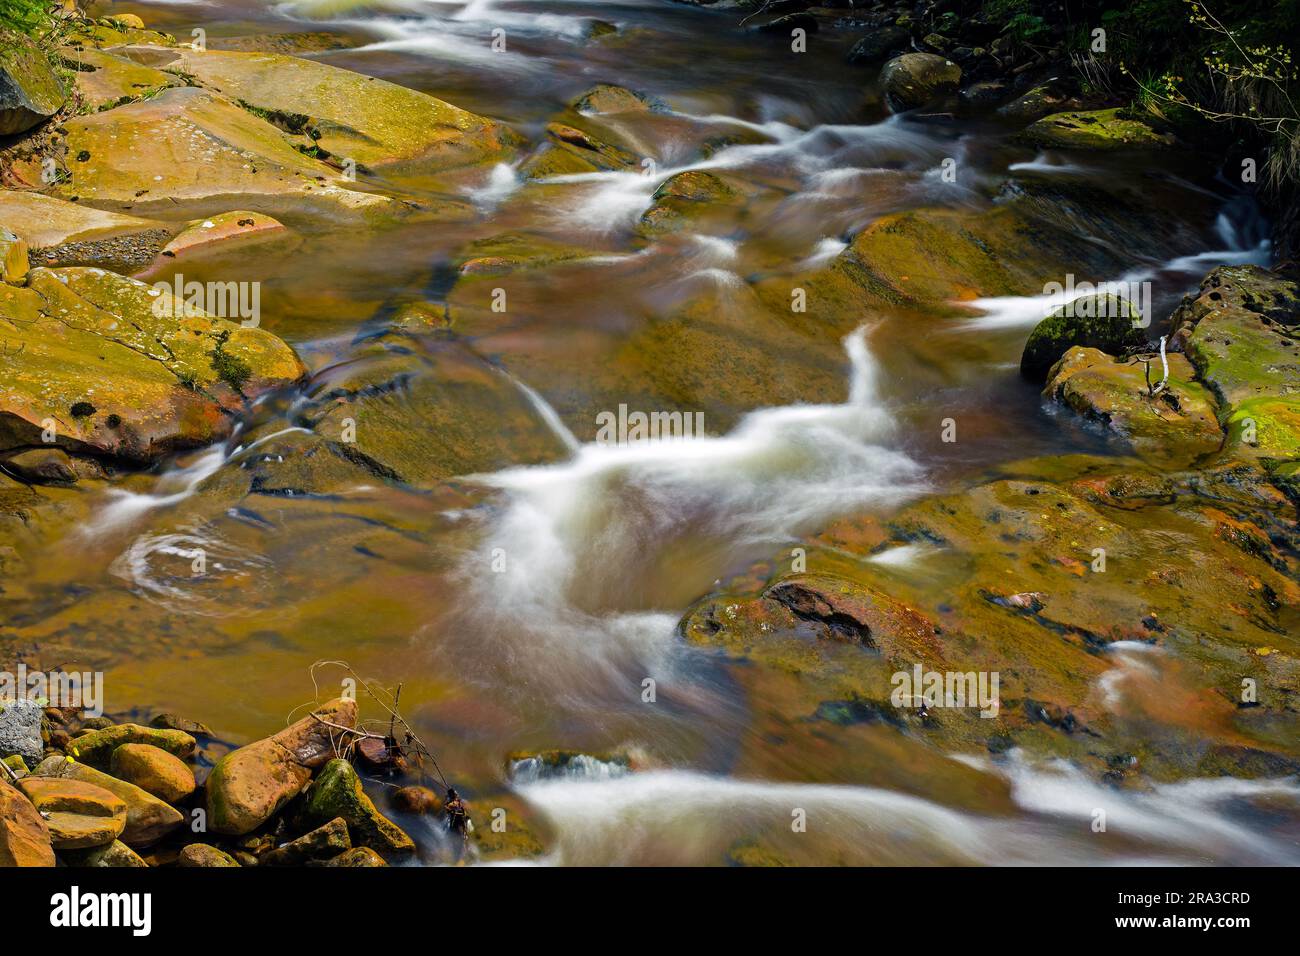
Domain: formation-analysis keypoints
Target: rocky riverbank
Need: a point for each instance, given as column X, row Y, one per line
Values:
column 1138, row 600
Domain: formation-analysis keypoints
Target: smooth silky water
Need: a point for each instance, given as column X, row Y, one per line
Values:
column 608, row 547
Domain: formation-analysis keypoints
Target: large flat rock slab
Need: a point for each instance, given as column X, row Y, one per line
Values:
column 349, row 115
column 191, row 152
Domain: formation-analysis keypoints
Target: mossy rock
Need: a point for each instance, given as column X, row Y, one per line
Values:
column 148, row 819
column 1110, row 129
column 375, row 123
column 337, row 792
column 95, row 367
column 203, row 855
column 115, row 855
column 418, row 412
column 189, row 152
column 1239, row 332
column 105, row 80
column 30, row 90
column 1011, row 585
column 1266, row 428
column 46, row 221
column 97, row 746
column 915, row 79
column 605, row 98
column 685, row 199
column 1173, row 428
column 1104, row 322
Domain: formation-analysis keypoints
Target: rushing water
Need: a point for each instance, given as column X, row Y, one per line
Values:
column 604, row 549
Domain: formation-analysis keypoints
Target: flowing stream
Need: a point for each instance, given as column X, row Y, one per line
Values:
column 524, row 608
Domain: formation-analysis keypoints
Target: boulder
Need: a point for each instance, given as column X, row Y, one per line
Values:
column 323, row 843
column 917, row 79
column 24, row 837
column 250, row 785
column 1036, row 103
column 1172, row 428
column 418, row 800
column 176, row 722
column 879, row 44
column 1096, row 130
column 1101, row 321
column 200, row 854
column 111, row 855
column 357, row 856
column 30, row 91
column 349, row 115
column 101, row 364
column 20, row 729
column 78, row 814
column 684, row 199
column 1239, row 333
column 337, row 792
column 153, row 770
column 98, row 746
column 605, row 98
column 148, row 819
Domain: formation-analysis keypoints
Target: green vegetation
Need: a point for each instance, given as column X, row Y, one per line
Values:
column 25, row 16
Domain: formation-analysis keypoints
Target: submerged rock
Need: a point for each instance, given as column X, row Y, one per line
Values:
column 1098, row 129
column 424, row 410
column 250, row 785
column 1175, row 427
column 337, row 792
column 605, row 98
column 1104, row 322
column 1008, row 579
column 916, row 79
column 418, row 800
column 30, row 91
column 24, row 837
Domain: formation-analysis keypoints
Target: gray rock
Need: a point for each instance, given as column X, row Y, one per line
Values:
column 20, row 730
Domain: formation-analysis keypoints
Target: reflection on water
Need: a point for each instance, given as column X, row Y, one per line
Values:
column 524, row 608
